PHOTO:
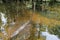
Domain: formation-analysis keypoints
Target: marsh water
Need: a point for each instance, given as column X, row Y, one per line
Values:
column 10, row 13
column 49, row 36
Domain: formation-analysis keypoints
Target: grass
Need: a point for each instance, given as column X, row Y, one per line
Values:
column 51, row 18
column 52, row 12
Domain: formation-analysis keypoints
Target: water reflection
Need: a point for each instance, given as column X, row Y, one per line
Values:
column 49, row 36
column 4, row 21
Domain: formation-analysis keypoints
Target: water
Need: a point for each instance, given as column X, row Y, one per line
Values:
column 49, row 36
column 4, row 22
